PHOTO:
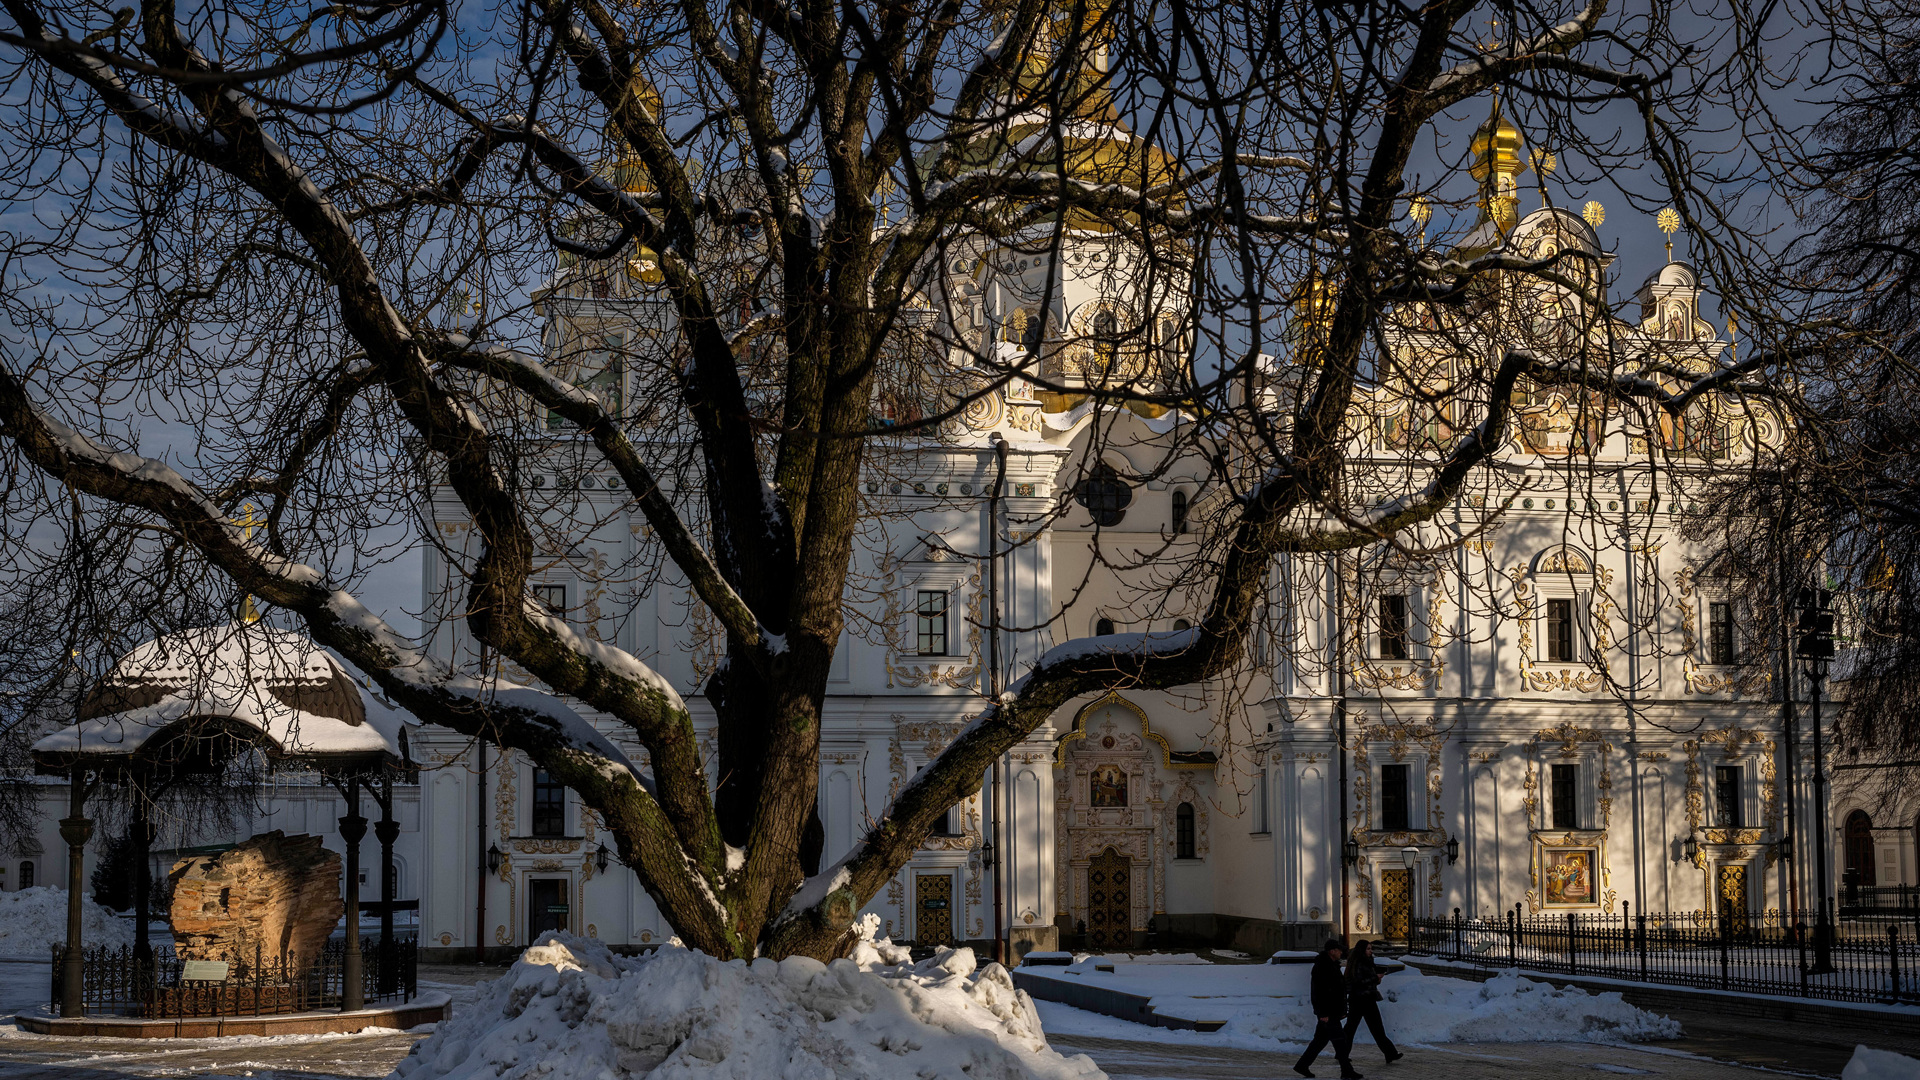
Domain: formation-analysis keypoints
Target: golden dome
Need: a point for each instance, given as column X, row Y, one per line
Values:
column 1496, row 147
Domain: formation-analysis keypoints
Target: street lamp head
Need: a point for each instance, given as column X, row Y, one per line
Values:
column 493, row 858
column 1409, row 856
column 986, row 855
column 1690, row 848
column 600, row 858
column 1453, row 849
column 1351, row 851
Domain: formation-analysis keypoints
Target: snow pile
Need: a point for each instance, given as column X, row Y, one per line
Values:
column 572, row 1010
column 1870, row 1064
column 33, row 920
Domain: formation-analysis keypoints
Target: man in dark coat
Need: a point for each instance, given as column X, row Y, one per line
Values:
column 1328, row 995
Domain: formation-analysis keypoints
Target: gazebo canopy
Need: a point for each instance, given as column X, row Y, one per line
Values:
column 188, row 701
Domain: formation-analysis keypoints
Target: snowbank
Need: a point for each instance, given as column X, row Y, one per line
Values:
column 1265, row 1003
column 33, row 920
column 572, row 1010
column 1870, row 1064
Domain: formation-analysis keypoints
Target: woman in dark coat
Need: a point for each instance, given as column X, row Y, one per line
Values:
column 1363, row 1000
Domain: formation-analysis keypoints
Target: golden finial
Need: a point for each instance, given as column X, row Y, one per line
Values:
column 1733, row 336
column 248, row 521
column 1594, row 213
column 1668, row 221
column 1421, row 211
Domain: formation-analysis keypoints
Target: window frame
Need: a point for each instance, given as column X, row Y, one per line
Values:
column 1262, row 826
column 541, row 591
column 1185, row 832
column 1396, row 796
column 925, row 633
column 1728, row 789
column 542, row 810
column 1570, row 791
column 1181, row 507
column 1558, row 642
column 1721, row 642
column 1393, row 624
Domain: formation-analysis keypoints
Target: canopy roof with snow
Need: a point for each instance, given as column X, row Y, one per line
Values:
column 187, row 701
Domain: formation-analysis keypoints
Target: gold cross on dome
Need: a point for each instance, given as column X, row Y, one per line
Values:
column 248, row 521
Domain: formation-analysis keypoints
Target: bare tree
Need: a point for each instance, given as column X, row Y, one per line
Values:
column 312, row 239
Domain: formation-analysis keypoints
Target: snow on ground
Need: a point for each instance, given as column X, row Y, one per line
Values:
column 1870, row 1064
column 1266, row 1003
column 32, row 920
column 572, row 1010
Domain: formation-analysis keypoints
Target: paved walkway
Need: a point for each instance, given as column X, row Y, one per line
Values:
column 1588, row 1061
column 1746, row 1051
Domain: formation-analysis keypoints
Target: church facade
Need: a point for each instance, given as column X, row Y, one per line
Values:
column 1543, row 707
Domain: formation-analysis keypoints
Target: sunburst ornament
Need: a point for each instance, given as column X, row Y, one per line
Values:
column 1668, row 221
column 1420, row 210
column 1595, row 214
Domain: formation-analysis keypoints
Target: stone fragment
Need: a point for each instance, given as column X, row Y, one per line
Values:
column 277, row 894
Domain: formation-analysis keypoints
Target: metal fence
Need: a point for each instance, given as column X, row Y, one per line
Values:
column 1880, row 901
column 115, row 982
column 1758, row 952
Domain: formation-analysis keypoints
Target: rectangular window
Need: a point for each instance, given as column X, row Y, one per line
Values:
column 1183, row 845
column 552, row 597
column 1260, row 824
column 949, row 823
column 931, row 613
column 1566, row 796
column 1393, row 627
column 1560, row 631
column 549, row 805
column 1393, row 798
column 600, row 369
column 1726, row 796
column 1719, row 633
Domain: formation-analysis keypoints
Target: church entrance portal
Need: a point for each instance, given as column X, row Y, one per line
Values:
column 546, row 906
column 1396, row 904
column 1109, row 901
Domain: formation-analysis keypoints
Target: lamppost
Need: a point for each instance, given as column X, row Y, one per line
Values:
column 1815, row 646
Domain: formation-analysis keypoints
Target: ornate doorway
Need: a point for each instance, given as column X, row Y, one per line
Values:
column 547, row 907
column 1396, row 904
column 1109, row 901
column 1733, row 899
column 933, row 909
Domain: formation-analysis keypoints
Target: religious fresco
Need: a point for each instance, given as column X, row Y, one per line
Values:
column 1107, row 786
column 1570, row 876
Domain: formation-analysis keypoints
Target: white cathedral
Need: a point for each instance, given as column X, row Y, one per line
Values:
column 1547, row 715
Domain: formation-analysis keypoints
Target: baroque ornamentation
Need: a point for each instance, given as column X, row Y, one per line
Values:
column 527, row 845
column 959, row 675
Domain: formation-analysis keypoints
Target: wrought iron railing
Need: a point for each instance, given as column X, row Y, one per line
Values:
column 116, row 982
column 1880, row 901
column 1756, row 952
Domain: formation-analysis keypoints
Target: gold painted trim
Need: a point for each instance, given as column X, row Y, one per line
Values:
column 1112, row 697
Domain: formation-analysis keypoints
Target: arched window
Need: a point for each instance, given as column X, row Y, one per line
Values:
column 1106, row 342
column 26, row 874
column 1104, row 494
column 1102, row 627
column 1182, row 624
column 1179, row 512
column 1859, row 871
column 1183, row 832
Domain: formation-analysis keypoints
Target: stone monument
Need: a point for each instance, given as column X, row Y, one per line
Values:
column 274, row 893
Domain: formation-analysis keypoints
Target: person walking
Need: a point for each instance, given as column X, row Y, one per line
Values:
column 1363, row 1000
column 1327, row 993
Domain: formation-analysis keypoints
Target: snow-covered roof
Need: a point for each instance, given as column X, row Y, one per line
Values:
column 269, row 687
